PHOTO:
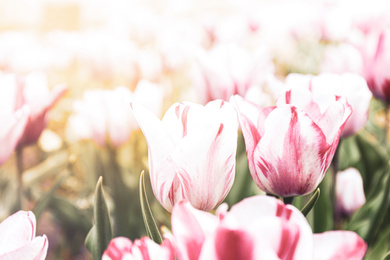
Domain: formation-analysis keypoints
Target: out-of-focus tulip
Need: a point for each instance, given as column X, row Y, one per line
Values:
column 375, row 49
column 342, row 58
column 18, row 240
column 12, row 129
column 349, row 192
column 290, row 147
column 105, row 114
column 33, row 92
column 191, row 152
column 259, row 227
column 348, row 85
column 227, row 70
column 122, row 248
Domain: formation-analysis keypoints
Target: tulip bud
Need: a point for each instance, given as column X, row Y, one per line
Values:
column 349, row 192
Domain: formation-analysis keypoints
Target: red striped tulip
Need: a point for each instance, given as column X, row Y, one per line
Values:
column 259, row 227
column 290, row 147
column 144, row 248
column 191, row 152
column 18, row 240
column 349, row 191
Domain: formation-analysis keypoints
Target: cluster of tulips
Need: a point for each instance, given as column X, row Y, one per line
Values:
column 264, row 151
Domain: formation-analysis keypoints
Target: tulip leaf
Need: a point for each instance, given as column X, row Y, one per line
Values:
column 386, row 256
column 310, row 204
column 150, row 224
column 100, row 235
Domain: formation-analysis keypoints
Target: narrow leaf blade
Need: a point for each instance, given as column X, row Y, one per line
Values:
column 310, row 204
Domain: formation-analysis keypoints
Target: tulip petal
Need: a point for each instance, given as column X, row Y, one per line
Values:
column 17, row 230
column 333, row 245
column 159, row 142
column 291, row 153
column 190, row 228
column 36, row 249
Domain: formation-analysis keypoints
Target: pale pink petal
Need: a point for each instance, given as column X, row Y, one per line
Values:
column 12, row 128
column 337, row 245
column 291, row 153
column 159, row 142
column 17, row 231
column 117, row 248
column 190, row 228
column 36, row 249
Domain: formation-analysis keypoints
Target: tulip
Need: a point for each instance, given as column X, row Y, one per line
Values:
column 290, row 147
column 31, row 91
column 191, row 152
column 144, row 248
column 104, row 116
column 13, row 126
column 259, row 227
column 349, row 85
column 18, row 240
column 349, row 192
column 376, row 59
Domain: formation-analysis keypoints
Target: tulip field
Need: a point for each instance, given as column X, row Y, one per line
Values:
column 183, row 129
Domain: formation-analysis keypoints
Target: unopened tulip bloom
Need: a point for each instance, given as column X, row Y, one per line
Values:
column 290, row 147
column 351, row 86
column 12, row 129
column 33, row 92
column 349, row 192
column 123, row 248
column 18, row 240
column 259, row 227
column 192, row 152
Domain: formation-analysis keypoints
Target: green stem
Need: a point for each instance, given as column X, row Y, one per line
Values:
column 335, row 169
column 19, row 165
column 288, row 200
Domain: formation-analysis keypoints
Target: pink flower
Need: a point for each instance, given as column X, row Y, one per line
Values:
column 33, row 92
column 18, row 240
column 141, row 249
column 104, row 115
column 290, row 147
column 191, row 152
column 375, row 49
column 259, row 227
column 348, row 85
column 12, row 129
column 349, row 191
column 227, row 70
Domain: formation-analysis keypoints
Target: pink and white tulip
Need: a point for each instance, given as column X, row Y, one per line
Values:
column 259, row 227
column 349, row 192
column 192, row 152
column 290, row 147
column 18, row 240
column 351, row 86
column 32, row 92
column 123, row 248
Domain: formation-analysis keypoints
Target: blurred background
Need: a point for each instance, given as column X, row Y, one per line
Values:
column 108, row 53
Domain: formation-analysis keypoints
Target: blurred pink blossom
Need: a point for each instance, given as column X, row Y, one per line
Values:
column 342, row 58
column 259, row 227
column 30, row 91
column 349, row 191
column 18, row 240
column 191, row 152
column 104, row 115
column 290, row 146
column 123, row 248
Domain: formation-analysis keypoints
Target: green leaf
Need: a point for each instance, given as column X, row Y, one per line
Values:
column 386, row 256
column 44, row 201
column 150, row 224
column 310, row 204
column 100, row 235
